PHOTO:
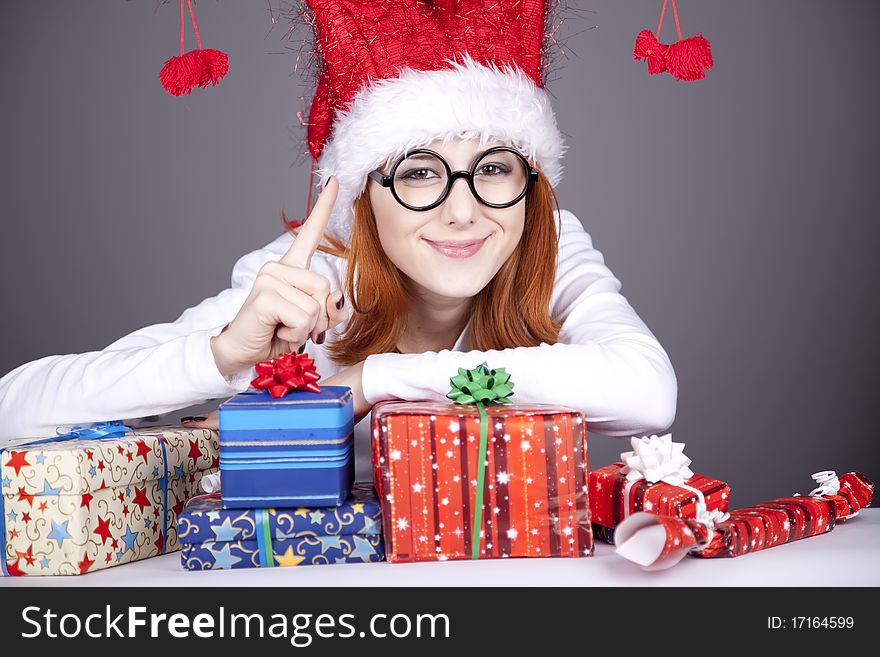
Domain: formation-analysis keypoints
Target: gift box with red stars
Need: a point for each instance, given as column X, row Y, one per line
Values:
column 613, row 497
column 534, row 501
column 72, row 505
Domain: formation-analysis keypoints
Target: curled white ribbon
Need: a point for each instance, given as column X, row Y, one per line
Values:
column 828, row 482
column 709, row 519
column 211, row 482
column 829, row 485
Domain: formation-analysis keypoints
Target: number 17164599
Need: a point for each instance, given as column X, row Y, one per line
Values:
column 810, row 622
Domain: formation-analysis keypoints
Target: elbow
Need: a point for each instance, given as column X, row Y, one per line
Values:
column 656, row 394
column 643, row 395
column 655, row 408
column 16, row 411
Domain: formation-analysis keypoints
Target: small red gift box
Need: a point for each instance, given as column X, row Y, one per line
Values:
column 535, row 483
column 611, row 502
column 641, row 484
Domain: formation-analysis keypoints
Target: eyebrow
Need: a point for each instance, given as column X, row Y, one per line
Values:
column 420, row 156
column 474, row 160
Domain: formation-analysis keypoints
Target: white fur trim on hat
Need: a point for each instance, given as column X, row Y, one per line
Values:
column 469, row 101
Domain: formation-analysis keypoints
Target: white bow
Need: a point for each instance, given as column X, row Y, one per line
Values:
column 656, row 458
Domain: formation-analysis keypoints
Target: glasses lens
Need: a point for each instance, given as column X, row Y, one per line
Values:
column 420, row 180
column 500, row 177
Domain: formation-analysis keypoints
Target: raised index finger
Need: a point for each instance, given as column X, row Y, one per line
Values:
column 312, row 230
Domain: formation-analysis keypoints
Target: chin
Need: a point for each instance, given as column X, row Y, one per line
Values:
column 453, row 289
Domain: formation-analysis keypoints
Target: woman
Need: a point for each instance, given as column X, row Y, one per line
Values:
column 594, row 352
column 447, row 272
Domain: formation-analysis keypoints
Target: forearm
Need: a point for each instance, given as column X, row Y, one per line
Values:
column 107, row 385
column 625, row 386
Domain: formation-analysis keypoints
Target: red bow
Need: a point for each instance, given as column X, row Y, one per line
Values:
column 285, row 373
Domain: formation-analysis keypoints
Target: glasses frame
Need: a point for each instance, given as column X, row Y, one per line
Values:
column 452, row 176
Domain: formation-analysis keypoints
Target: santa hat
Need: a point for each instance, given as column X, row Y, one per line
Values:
column 398, row 74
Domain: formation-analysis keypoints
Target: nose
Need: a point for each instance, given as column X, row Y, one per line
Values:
column 460, row 206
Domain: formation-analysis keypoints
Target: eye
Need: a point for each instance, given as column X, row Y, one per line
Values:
column 419, row 175
column 492, row 170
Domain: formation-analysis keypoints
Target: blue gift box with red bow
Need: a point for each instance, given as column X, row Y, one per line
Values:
column 289, row 451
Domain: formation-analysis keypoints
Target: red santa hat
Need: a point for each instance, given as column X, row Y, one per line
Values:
column 398, row 74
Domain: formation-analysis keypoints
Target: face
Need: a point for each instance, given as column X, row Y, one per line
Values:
column 427, row 246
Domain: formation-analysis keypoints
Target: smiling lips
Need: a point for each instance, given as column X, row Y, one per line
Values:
column 458, row 248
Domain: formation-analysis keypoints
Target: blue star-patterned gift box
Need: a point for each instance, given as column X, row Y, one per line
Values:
column 296, row 450
column 214, row 538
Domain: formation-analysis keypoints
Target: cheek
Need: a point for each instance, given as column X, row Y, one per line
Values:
column 512, row 230
column 395, row 230
column 381, row 202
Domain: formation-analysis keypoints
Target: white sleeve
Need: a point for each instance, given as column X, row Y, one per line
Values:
column 153, row 370
column 607, row 362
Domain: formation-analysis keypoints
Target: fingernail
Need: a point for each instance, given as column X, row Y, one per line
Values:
column 321, row 337
column 301, row 349
column 341, row 302
column 193, row 418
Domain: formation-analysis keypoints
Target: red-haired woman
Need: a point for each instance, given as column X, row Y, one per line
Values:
column 436, row 243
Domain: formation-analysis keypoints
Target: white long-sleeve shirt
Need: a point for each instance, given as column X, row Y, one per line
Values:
column 607, row 362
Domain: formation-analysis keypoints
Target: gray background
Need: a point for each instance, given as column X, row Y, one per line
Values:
column 740, row 211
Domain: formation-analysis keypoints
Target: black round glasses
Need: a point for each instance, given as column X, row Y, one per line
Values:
column 421, row 179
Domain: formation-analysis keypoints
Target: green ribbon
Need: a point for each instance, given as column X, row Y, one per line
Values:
column 480, row 386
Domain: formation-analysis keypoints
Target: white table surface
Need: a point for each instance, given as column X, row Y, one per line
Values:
column 847, row 556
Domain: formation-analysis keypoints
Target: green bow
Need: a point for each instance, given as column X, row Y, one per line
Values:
column 480, row 386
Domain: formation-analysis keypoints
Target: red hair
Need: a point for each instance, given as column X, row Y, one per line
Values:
column 513, row 310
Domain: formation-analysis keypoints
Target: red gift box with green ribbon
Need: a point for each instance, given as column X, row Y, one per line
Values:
column 481, row 478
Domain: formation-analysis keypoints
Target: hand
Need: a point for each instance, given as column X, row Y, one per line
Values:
column 288, row 303
column 353, row 378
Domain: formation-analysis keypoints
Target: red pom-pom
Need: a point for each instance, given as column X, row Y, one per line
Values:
column 285, row 373
column 215, row 66
column 688, row 60
column 196, row 68
column 647, row 47
column 181, row 73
